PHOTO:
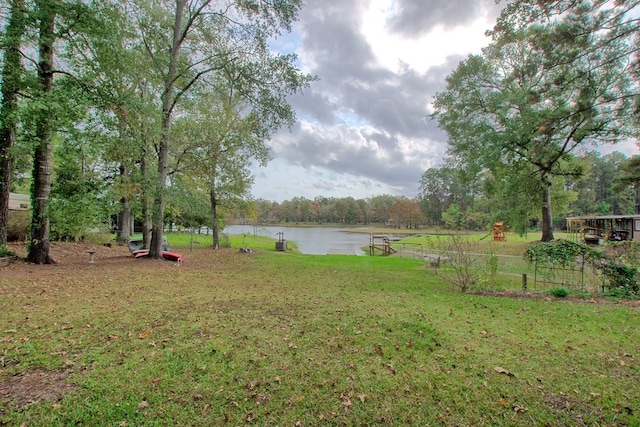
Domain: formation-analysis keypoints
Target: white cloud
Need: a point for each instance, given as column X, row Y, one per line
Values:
column 363, row 127
column 423, row 52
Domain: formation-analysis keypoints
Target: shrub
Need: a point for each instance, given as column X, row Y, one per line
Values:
column 618, row 263
column 4, row 251
column 621, row 293
column 621, row 277
column 462, row 269
column 559, row 252
column 560, row 292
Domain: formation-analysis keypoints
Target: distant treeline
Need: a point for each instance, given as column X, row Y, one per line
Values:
column 450, row 198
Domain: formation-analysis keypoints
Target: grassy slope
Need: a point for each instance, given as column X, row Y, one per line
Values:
column 276, row 338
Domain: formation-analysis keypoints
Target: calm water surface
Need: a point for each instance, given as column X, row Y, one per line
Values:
column 311, row 240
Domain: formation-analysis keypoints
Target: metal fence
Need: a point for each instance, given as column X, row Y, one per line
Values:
column 513, row 269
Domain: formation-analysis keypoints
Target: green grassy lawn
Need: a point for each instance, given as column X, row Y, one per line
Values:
column 274, row 338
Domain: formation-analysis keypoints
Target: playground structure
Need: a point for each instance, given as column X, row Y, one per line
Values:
column 497, row 232
column 381, row 244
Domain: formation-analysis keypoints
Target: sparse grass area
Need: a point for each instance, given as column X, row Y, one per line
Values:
column 276, row 338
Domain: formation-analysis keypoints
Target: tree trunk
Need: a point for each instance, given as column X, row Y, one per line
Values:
column 214, row 217
column 124, row 217
column 547, row 217
column 39, row 244
column 11, row 76
column 163, row 154
column 147, row 223
column 155, row 250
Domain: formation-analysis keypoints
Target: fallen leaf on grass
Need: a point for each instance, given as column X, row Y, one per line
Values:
column 500, row 370
column 144, row 334
column 143, row 404
column 519, row 409
column 346, row 398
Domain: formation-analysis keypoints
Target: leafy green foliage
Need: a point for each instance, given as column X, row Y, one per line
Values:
column 453, row 217
column 76, row 197
column 622, row 278
column 562, row 253
column 560, row 292
column 4, row 251
column 552, row 79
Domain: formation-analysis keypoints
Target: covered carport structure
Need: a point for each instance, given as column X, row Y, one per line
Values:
column 598, row 229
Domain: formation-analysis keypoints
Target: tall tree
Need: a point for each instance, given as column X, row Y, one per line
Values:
column 406, row 213
column 116, row 74
column 441, row 187
column 78, row 189
column 206, row 39
column 220, row 140
column 57, row 22
column 381, row 207
column 554, row 78
column 11, row 83
column 41, row 186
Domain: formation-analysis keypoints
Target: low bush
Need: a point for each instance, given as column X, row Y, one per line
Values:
column 560, row 292
column 618, row 267
column 4, row 251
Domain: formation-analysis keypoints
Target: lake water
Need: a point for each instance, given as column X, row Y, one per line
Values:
column 311, row 240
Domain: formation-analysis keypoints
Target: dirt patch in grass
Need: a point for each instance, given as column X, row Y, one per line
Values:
column 71, row 257
column 34, row 386
column 72, row 253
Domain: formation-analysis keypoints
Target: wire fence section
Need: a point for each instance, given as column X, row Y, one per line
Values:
column 530, row 277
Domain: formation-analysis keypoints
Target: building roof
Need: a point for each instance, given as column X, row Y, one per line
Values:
column 579, row 218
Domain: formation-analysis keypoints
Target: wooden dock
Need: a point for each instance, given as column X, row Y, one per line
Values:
column 381, row 244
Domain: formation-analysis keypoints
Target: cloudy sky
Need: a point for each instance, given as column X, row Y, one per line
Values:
column 363, row 128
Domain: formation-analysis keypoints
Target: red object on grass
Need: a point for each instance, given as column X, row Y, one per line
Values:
column 171, row 256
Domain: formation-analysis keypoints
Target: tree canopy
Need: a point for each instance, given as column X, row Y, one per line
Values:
column 113, row 77
column 557, row 76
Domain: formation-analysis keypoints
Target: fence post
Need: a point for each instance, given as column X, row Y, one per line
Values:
column 524, row 282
